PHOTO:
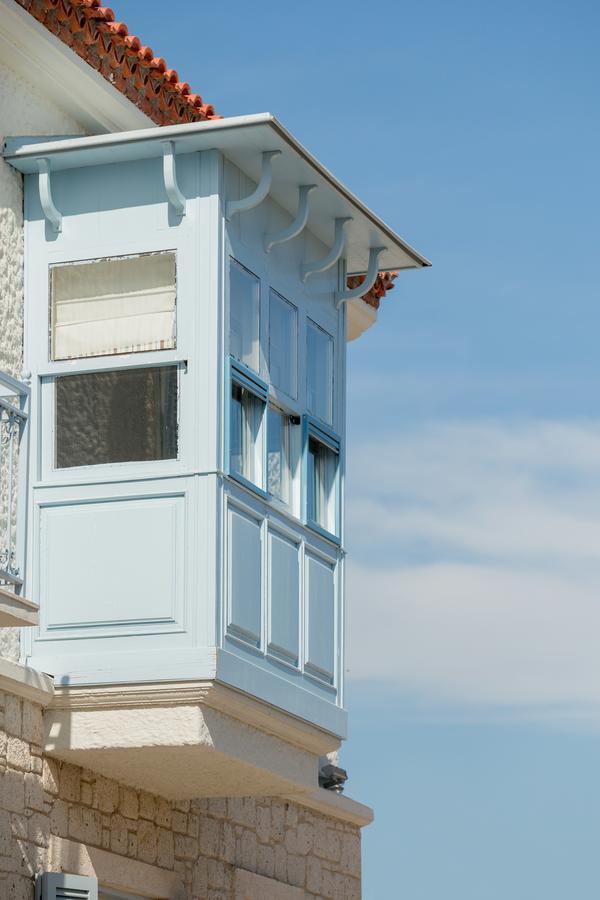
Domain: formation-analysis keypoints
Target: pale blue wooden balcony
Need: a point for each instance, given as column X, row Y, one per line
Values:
column 187, row 317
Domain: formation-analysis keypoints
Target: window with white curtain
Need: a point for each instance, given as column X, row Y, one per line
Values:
column 118, row 305
column 246, row 428
column 278, row 454
column 322, row 480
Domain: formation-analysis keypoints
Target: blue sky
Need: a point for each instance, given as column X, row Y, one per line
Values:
column 474, row 435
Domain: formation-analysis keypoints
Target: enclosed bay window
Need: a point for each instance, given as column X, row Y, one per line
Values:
column 319, row 372
column 102, row 307
column 283, row 344
column 244, row 315
column 126, row 415
column 321, row 472
column 248, row 405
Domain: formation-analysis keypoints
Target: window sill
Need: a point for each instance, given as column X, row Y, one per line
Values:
column 322, row 532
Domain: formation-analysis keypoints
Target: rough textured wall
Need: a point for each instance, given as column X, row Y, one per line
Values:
column 23, row 110
column 206, row 842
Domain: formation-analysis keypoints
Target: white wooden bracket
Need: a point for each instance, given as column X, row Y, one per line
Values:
column 299, row 223
column 176, row 197
column 367, row 284
column 262, row 188
column 326, row 262
column 53, row 217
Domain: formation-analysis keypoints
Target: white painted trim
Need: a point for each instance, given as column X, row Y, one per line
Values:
column 228, row 135
column 25, row 682
column 41, row 58
column 337, row 806
column 113, row 870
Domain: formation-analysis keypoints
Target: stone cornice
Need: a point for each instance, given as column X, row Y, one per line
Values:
column 247, row 710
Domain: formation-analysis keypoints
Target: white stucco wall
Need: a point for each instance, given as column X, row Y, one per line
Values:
column 23, row 111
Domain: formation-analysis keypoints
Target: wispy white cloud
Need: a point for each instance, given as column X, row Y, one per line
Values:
column 476, row 571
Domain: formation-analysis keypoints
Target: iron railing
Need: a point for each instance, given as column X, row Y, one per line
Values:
column 14, row 404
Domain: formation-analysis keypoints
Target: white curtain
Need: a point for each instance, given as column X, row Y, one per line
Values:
column 113, row 306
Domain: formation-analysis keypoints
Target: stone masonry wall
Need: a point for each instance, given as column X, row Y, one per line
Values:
column 204, row 841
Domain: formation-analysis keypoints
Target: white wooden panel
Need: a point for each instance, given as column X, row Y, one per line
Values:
column 284, row 588
column 112, row 563
column 320, row 611
column 244, row 576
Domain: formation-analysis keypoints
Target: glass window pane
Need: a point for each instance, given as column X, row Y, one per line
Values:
column 107, row 306
column 319, row 365
column 283, row 342
column 244, row 315
column 322, row 485
column 245, row 434
column 110, row 417
column 278, row 454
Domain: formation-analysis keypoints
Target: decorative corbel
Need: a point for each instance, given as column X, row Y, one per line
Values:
column 53, row 217
column 262, row 188
column 367, row 284
column 176, row 198
column 339, row 242
column 299, row 223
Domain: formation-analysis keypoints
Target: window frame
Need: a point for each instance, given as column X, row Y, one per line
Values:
column 314, row 428
column 246, row 378
column 310, row 322
column 54, row 264
column 234, row 261
column 279, row 391
column 108, row 466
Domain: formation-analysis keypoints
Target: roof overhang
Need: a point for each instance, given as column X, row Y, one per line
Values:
column 242, row 140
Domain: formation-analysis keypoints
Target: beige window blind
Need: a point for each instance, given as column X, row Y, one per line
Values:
column 119, row 305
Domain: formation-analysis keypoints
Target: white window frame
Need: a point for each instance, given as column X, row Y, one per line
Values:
column 245, row 378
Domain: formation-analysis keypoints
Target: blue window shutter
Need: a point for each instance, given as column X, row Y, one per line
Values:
column 59, row 886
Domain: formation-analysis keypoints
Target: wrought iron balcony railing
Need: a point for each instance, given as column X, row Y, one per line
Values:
column 14, row 403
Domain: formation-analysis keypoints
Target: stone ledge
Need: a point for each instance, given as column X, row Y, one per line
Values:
column 337, row 806
column 16, row 611
column 25, row 682
column 249, row 886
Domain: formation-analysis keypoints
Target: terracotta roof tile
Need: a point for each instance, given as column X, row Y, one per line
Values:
column 105, row 44
column 383, row 283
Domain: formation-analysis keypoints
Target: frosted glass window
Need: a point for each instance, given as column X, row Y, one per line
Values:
column 319, row 372
column 245, row 434
column 283, row 342
column 105, row 306
column 321, row 487
column 116, row 416
column 278, row 454
column 244, row 315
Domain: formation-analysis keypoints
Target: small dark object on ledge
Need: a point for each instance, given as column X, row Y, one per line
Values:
column 332, row 778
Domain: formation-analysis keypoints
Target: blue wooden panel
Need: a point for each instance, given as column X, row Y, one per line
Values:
column 113, row 562
column 320, row 611
column 284, row 590
column 244, row 576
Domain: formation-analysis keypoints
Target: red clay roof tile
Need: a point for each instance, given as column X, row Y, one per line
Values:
column 132, row 68
column 383, row 283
